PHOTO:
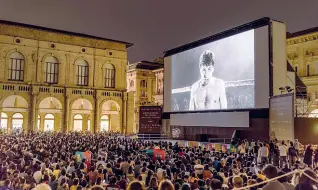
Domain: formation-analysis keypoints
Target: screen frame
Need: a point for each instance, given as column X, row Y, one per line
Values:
column 228, row 33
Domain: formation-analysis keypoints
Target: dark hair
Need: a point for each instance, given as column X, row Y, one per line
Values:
column 270, row 171
column 207, row 58
column 216, row 184
column 113, row 180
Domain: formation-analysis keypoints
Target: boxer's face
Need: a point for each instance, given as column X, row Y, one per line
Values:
column 206, row 71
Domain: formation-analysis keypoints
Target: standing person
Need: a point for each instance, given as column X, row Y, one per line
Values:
column 292, row 154
column 263, row 151
column 208, row 92
column 316, row 158
column 308, row 156
column 282, row 154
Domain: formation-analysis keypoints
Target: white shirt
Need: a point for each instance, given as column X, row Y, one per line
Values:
column 37, row 176
column 282, row 150
column 263, row 151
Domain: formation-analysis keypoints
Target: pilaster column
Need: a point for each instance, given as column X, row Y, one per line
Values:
column 97, row 115
column 33, row 117
column 9, row 124
column 124, row 118
column 66, row 113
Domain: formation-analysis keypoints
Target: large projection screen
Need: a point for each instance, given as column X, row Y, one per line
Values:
column 228, row 74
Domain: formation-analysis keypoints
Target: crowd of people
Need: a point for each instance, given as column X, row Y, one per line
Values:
column 47, row 161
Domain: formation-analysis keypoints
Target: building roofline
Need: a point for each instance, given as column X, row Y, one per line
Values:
column 302, row 32
column 128, row 45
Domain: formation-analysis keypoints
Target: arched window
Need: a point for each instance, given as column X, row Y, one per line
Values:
column 296, row 69
column 49, row 122
column 109, row 76
column 17, row 123
column 104, row 123
column 3, row 122
column 78, row 122
column 82, row 73
column 51, row 70
column 16, row 67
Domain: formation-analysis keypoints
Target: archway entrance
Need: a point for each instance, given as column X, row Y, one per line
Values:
column 110, row 116
column 78, row 122
column 3, row 122
column 12, row 117
column 50, row 114
column 104, row 123
column 17, row 123
column 49, row 122
column 82, row 111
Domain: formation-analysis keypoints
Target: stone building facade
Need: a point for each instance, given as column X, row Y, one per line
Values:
column 302, row 54
column 52, row 80
column 145, row 81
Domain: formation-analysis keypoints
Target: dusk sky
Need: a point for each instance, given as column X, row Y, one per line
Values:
column 156, row 25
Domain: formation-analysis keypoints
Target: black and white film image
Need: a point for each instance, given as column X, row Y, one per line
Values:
column 218, row 75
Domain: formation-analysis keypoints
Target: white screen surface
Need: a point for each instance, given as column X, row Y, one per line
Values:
column 217, row 119
column 237, row 76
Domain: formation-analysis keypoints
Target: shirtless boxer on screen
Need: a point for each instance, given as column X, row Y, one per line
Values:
column 209, row 92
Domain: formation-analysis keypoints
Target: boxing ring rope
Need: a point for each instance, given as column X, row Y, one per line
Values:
column 248, row 82
column 273, row 179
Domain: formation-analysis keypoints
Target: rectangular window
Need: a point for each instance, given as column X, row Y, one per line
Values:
column 16, row 69
column 82, row 75
column 51, row 73
column 109, row 78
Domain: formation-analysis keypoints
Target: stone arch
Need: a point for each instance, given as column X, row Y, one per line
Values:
column 53, row 106
column 83, row 107
column 50, row 103
column 111, row 109
column 82, row 104
column 110, row 105
column 14, row 101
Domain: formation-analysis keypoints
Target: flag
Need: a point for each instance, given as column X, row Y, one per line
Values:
column 156, row 153
column 81, row 155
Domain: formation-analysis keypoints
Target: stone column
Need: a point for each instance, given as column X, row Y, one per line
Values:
column 9, row 124
column 66, row 113
column 84, row 124
column 97, row 115
column 124, row 118
column 33, row 117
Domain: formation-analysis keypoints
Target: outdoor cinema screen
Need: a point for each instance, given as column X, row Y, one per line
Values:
column 219, row 75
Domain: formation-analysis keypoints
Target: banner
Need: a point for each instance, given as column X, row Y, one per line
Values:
column 156, row 154
column 150, row 119
column 81, row 155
